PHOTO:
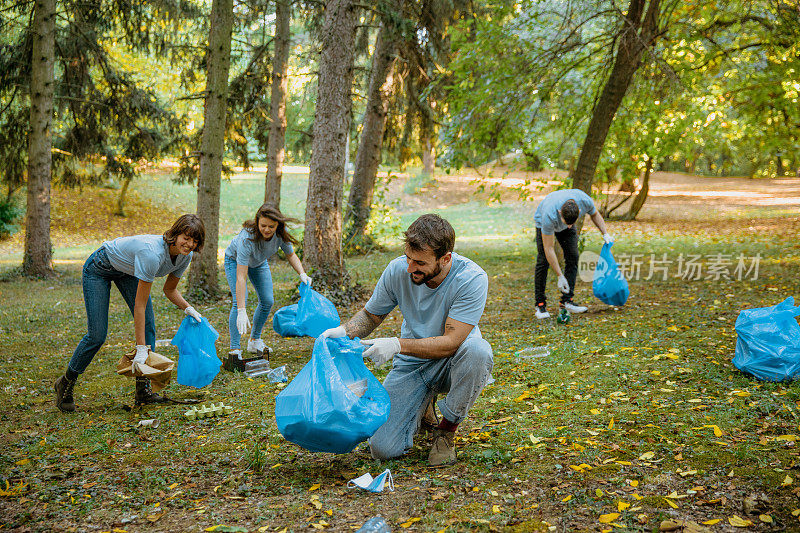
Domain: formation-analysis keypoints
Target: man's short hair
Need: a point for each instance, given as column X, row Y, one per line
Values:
column 570, row 211
column 432, row 232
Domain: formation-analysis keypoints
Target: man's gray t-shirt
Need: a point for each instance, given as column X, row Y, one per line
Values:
column 547, row 218
column 461, row 296
column 245, row 251
column 145, row 256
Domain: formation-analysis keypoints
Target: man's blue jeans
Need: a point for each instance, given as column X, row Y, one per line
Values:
column 98, row 274
column 261, row 278
column 412, row 383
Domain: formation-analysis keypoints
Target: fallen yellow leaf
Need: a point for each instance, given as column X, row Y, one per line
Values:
column 599, row 493
column 646, row 456
column 621, row 506
column 739, row 522
column 495, row 508
column 608, row 518
column 611, row 424
column 410, row 521
column 787, row 481
column 315, row 486
column 712, row 521
column 767, row 519
column 567, row 498
column 671, row 503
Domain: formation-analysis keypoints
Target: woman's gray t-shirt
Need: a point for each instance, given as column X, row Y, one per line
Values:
column 245, row 251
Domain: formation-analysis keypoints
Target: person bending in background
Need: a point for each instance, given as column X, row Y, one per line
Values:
column 248, row 256
column 132, row 264
column 555, row 219
column 441, row 295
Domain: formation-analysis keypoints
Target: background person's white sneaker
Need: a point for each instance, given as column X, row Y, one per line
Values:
column 572, row 308
column 256, row 345
column 541, row 312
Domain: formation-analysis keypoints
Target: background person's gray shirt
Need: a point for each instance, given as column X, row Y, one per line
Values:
column 245, row 251
column 145, row 256
column 547, row 218
column 461, row 296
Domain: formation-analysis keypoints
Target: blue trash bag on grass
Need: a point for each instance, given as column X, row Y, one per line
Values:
column 334, row 402
column 198, row 363
column 609, row 285
column 768, row 342
column 312, row 315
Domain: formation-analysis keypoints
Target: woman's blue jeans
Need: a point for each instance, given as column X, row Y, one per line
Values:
column 261, row 278
column 98, row 274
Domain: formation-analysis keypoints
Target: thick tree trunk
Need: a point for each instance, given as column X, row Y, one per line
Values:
column 636, row 35
column 277, row 133
column 38, row 258
column 203, row 274
column 368, row 157
column 323, row 224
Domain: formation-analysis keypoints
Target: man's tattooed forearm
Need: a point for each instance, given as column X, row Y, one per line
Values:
column 361, row 325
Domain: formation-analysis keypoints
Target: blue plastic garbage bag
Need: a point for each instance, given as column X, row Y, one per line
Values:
column 312, row 315
column 609, row 285
column 198, row 363
column 334, row 402
column 768, row 342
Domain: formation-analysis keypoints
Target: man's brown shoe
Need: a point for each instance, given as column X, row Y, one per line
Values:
column 443, row 451
column 63, row 387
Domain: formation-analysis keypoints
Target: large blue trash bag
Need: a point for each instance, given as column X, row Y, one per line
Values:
column 317, row 409
column 609, row 285
column 198, row 363
column 768, row 342
column 312, row 315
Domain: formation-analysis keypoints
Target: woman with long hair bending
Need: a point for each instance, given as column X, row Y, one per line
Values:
column 248, row 256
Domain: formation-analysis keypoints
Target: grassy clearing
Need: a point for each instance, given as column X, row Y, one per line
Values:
column 637, row 411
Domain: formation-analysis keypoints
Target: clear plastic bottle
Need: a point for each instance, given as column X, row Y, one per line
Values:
column 533, row 352
column 376, row 524
column 259, row 367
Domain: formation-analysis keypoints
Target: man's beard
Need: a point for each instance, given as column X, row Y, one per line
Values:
column 426, row 279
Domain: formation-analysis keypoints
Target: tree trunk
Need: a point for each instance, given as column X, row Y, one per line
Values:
column 277, row 133
column 322, row 243
column 636, row 35
column 641, row 196
column 368, row 157
column 203, row 274
column 38, row 258
column 120, row 212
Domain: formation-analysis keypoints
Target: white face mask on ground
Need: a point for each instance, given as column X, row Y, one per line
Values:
column 377, row 484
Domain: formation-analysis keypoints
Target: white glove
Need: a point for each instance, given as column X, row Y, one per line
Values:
column 304, row 278
column 563, row 284
column 192, row 312
column 334, row 333
column 242, row 322
column 607, row 238
column 383, row 350
column 141, row 356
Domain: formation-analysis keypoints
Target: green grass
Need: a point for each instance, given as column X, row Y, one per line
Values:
column 537, row 447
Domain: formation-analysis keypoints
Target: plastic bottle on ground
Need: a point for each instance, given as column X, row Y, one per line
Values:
column 376, row 524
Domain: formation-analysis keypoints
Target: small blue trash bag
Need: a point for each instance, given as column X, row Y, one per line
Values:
column 334, row 402
column 198, row 363
column 312, row 315
column 609, row 285
column 768, row 342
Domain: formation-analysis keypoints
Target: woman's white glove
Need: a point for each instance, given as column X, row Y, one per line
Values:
column 382, row 350
column 334, row 333
column 305, row 278
column 242, row 322
column 607, row 238
column 192, row 312
column 141, row 356
column 563, row 284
